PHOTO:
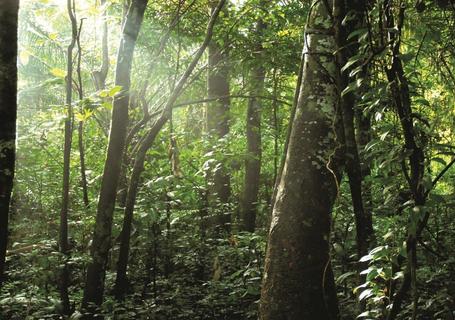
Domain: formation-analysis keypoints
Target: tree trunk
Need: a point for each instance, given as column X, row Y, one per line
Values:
column 121, row 281
column 218, row 127
column 363, row 219
column 138, row 167
column 298, row 282
column 400, row 94
column 80, row 128
column 94, row 287
column 8, row 110
column 101, row 75
column 65, row 274
column 253, row 136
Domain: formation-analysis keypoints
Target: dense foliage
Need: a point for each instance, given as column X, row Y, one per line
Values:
column 180, row 265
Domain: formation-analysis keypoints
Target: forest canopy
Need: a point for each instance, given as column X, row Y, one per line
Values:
column 227, row 159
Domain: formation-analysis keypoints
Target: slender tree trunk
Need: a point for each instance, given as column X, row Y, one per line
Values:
column 276, row 129
column 121, row 281
column 363, row 126
column 94, row 286
column 101, row 74
column 65, row 273
column 138, row 167
column 400, row 94
column 363, row 219
column 80, row 128
column 253, row 137
column 218, row 128
column 8, row 110
column 298, row 282
column 80, row 131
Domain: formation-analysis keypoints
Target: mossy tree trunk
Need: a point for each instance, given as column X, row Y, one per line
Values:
column 298, row 282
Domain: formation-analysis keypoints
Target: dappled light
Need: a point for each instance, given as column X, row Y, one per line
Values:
column 227, row 159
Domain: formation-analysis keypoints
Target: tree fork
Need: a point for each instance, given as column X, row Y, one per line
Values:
column 94, row 286
column 146, row 143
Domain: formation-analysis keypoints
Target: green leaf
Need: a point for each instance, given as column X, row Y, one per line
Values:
column 107, row 105
column 365, row 294
column 352, row 86
column 59, row 73
column 365, row 314
column 104, row 93
column 368, row 257
column 114, row 91
column 423, row 101
column 344, row 276
column 359, row 32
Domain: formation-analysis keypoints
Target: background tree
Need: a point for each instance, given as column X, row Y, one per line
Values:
column 138, row 167
column 253, row 132
column 63, row 241
column 219, row 189
column 8, row 108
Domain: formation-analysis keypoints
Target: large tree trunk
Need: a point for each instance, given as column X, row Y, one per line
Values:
column 218, row 127
column 253, row 136
column 121, row 279
column 8, row 110
column 298, row 282
column 94, row 286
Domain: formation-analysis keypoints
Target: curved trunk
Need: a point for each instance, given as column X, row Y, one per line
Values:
column 298, row 282
column 121, row 282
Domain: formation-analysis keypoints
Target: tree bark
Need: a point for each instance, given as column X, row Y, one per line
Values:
column 253, row 137
column 298, row 281
column 400, row 94
column 8, row 110
column 80, row 128
column 363, row 218
column 65, row 273
column 94, row 287
column 121, row 279
column 217, row 128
